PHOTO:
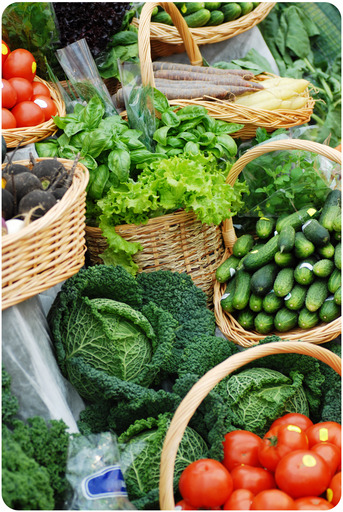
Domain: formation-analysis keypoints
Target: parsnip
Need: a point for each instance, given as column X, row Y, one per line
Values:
column 281, row 92
column 294, row 103
column 299, row 83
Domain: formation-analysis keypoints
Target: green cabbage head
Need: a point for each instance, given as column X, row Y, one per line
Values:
column 256, row 397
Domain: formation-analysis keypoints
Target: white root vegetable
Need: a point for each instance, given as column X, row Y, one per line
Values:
column 289, row 89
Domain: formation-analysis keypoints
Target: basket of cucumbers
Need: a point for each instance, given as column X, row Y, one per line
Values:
column 285, row 278
column 209, row 22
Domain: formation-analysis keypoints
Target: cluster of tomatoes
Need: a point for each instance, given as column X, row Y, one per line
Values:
column 295, row 466
column 25, row 102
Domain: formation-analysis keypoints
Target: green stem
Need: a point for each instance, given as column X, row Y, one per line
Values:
column 322, row 81
column 317, row 119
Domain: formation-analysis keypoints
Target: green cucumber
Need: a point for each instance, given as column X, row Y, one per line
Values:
column 337, row 223
column 246, row 319
column 227, row 269
column 242, row 290
column 296, row 219
column 255, row 4
column 246, row 7
column 231, row 11
column 264, row 322
column 263, row 279
column 303, row 248
column 216, row 18
column 307, row 319
column 327, row 251
column 338, row 296
column 335, row 281
column 323, row 268
column 329, row 311
column 337, row 236
column 255, row 303
column 264, row 227
column 272, row 303
column 338, row 255
column 285, row 320
column 212, row 6
column 303, row 273
column 198, row 18
column 331, row 209
column 316, row 294
column 243, row 245
column 316, row 233
column 286, row 239
column 162, row 17
column 284, row 282
column 296, row 297
column 190, row 7
column 284, row 259
column 227, row 297
column 265, row 255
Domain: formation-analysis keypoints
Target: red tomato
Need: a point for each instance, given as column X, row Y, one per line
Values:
column 8, row 120
column 39, row 88
column 241, row 447
column 279, row 441
column 330, row 453
column 272, row 499
column 293, row 418
column 312, row 503
column 251, row 478
column 20, row 62
column 240, row 499
column 183, row 505
column 334, row 490
column 46, row 104
column 5, row 51
column 325, row 431
column 28, row 113
column 302, row 473
column 23, row 88
column 205, row 483
column 8, row 94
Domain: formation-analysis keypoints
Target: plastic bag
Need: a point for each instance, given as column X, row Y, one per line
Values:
column 80, row 68
column 94, row 473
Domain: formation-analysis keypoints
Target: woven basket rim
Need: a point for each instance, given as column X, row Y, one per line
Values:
column 226, row 322
column 48, row 126
column 205, row 384
column 207, row 35
column 78, row 185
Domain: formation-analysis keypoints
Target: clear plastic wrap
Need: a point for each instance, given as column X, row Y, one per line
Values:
column 94, row 474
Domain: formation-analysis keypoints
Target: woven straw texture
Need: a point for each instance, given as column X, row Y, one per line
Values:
column 48, row 250
column 201, row 389
column 226, row 322
column 177, row 242
column 33, row 134
column 166, row 40
column 251, row 118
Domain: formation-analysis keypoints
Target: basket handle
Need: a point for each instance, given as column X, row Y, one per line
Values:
column 228, row 231
column 144, row 52
column 200, row 390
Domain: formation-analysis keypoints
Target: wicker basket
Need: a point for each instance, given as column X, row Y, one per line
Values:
column 177, row 242
column 48, row 250
column 166, row 40
column 200, row 390
column 226, row 322
column 251, row 118
column 30, row 134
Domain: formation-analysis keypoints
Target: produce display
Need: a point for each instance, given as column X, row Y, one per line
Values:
column 127, row 343
column 296, row 465
column 208, row 14
column 25, row 102
column 290, row 275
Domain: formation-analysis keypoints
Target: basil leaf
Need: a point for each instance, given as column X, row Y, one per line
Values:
column 192, row 148
column 160, row 135
column 207, row 138
column 89, row 162
column 175, row 142
column 95, row 142
column 72, row 128
column 160, row 101
column 228, row 143
column 93, row 113
column 170, row 118
column 46, row 149
column 224, row 127
column 188, row 136
column 119, row 162
column 191, row 112
column 99, row 177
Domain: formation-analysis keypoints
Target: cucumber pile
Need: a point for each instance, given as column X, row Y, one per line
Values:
column 209, row 14
column 289, row 276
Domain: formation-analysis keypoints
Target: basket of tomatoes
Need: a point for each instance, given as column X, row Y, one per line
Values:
column 28, row 102
column 294, row 465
